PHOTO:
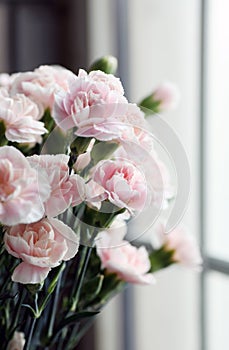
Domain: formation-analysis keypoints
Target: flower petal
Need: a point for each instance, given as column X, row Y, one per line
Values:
column 72, row 239
column 29, row 274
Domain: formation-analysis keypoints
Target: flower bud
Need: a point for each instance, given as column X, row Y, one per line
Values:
column 164, row 98
column 107, row 64
column 175, row 247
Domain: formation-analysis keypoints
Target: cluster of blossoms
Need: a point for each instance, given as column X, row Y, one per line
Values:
column 112, row 163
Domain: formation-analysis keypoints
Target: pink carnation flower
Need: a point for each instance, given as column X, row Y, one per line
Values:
column 3, row 93
column 20, row 116
column 118, row 256
column 137, row 145
column 91, row 104
column 6, row 80
column 117, row 127
column 41, row 246
column 42, row 83
column 21, row 198
column 186, row 250
column 110, row 80
column 133, row 117
column 66, row 189
column 124, row 184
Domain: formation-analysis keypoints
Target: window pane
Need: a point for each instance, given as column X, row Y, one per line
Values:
column 217, row 311
column 217, row 128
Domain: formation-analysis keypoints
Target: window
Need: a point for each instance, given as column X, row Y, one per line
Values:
column 215, row 172
column 154, row 40
column 160, row 41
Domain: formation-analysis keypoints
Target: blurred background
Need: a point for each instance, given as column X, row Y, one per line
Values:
column 186, row 42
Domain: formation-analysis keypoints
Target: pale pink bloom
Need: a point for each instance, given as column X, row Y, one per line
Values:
column 113, row 82
column 94, row 194
column 168, row 95
column 42, row 83
column 186, row 250
column 138, row 143
column 17, row 342
column 118, row 256
column 124, row 184
column 91, row 106
column 120, row 127
column 84, row 159
column 3, row 93
column 41, row 246
column 78, row 190
column 159, row 181
column 21, row 197
column 115, row 233
column 20, row 116
column 105, row 129
column 6, row 80
column 133, row 117
column 66, row 190
column 138, row 147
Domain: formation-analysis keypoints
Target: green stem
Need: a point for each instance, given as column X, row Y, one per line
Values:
column 71, row 341
column 6, row 311
column 60, row 344
column 32, row 325
column 18, row 311
column 51, row 288
column 5, row 283
column 86, row 257
column 55, row 304
column 79, row 284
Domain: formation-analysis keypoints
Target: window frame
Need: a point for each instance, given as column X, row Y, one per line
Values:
column 211, row 263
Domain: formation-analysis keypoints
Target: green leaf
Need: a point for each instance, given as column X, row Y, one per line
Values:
column 103, row 150
column 53, row 283
column 3, row 140
column 80, row 145
column 79, row 316
column 48, row 120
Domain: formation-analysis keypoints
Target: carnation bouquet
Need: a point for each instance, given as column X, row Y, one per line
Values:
column 77, row 166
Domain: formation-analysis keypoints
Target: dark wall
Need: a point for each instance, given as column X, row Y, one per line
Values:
column 45, row 32
column 35, row 32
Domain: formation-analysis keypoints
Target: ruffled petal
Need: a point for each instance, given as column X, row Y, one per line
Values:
column 29, row 274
